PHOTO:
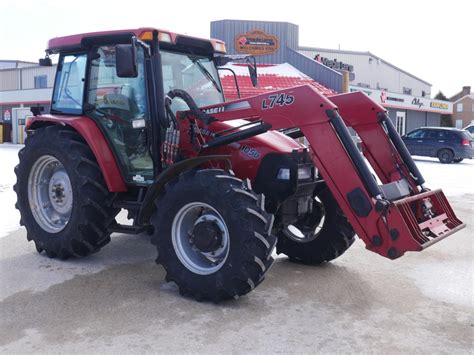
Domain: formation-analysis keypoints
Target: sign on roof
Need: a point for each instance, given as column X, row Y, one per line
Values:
column 256, row 43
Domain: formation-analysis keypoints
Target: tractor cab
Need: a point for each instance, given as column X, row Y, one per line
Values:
column 92, row 80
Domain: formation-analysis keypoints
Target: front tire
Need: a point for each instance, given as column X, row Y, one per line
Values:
column 319, row 237
column 212, row 235
column 61, row 194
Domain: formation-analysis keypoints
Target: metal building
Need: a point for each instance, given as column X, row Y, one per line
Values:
column 405, row 96
column 22, row 85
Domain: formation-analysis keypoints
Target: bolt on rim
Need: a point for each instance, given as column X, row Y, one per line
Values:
column 50, row 194
column 201, row 254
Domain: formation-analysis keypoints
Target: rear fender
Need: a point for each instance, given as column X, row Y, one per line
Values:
column 96, row 141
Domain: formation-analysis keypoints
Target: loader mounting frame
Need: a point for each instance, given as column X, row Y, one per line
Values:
column 411, row 218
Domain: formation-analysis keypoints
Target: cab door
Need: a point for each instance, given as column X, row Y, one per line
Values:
column 119, row 105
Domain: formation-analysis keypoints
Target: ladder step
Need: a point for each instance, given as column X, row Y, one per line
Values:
column 125, row 229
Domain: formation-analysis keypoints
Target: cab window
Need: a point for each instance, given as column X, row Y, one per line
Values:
column 69, row 86
column 194, row 74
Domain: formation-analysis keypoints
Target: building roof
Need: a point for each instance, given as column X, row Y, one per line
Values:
column 471, row 96
column 270, row 78
column 14, row 63
column 466, row 91
column 362, row 53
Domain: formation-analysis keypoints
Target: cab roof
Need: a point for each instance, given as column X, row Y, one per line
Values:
column 84, row 40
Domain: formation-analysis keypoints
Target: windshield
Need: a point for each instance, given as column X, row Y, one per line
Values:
column 194, row 74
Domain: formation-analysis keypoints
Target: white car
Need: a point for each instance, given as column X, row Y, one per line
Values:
column 470, row 129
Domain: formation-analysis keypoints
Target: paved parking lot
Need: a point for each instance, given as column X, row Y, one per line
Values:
column 117, row 301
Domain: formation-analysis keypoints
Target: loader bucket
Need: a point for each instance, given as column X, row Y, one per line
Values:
column 410, row 217
column 428, row 217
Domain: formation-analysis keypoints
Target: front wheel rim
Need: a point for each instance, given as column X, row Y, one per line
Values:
column 299, row 235
column 196, row 260
column 50, row 194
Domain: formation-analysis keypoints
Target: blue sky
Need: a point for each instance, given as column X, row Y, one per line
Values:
column 430, row 39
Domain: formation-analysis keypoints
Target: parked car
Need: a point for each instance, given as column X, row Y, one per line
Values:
column 470, row 129
column 447, row 144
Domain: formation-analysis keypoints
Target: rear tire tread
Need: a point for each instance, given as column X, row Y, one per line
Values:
column 86, row 231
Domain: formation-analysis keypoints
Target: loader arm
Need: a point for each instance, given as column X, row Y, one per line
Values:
column 393, row 217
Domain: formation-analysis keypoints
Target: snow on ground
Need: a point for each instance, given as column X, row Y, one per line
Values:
column 454, row 179
column 9, row 216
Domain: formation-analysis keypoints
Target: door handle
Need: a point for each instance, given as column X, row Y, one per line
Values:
column 441, row 141
column 420, row 141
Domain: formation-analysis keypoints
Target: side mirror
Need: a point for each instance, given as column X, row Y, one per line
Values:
column 252, row 70
column 126, row 60
column 45, row 62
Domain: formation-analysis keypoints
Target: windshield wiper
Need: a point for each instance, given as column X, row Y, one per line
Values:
column 208, row 75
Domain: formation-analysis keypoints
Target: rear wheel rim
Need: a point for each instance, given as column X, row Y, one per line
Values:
column 195, row 260
column 50, row 194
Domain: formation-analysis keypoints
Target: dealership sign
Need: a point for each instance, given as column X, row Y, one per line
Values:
column 256, row 43
column 406, row 102
column 335, row 64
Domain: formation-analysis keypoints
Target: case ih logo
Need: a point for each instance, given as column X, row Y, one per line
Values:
column 256, row 43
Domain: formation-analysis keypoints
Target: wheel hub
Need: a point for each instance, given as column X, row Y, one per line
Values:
column 200, row 238
column 60, row 192
column 206, row 234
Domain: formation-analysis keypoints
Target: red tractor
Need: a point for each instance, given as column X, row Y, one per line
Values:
column 139, row 122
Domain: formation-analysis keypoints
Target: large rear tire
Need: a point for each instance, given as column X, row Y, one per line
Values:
column 212, row 235
column 320, row 236
column 61, row 194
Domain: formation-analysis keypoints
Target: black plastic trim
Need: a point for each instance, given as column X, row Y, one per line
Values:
column 359, row 202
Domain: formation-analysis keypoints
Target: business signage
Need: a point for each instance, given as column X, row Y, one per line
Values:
column 7, row 117
column 407, row 102
column 334, row 63
column 256, row 43
column 443, row 106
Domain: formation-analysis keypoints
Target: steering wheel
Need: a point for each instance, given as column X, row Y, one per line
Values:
column 193, row 107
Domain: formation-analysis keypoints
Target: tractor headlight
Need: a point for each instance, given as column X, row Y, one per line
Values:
column 283, row 174
column 304, row 173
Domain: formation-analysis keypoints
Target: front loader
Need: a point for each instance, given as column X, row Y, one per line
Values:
column 139, row 122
